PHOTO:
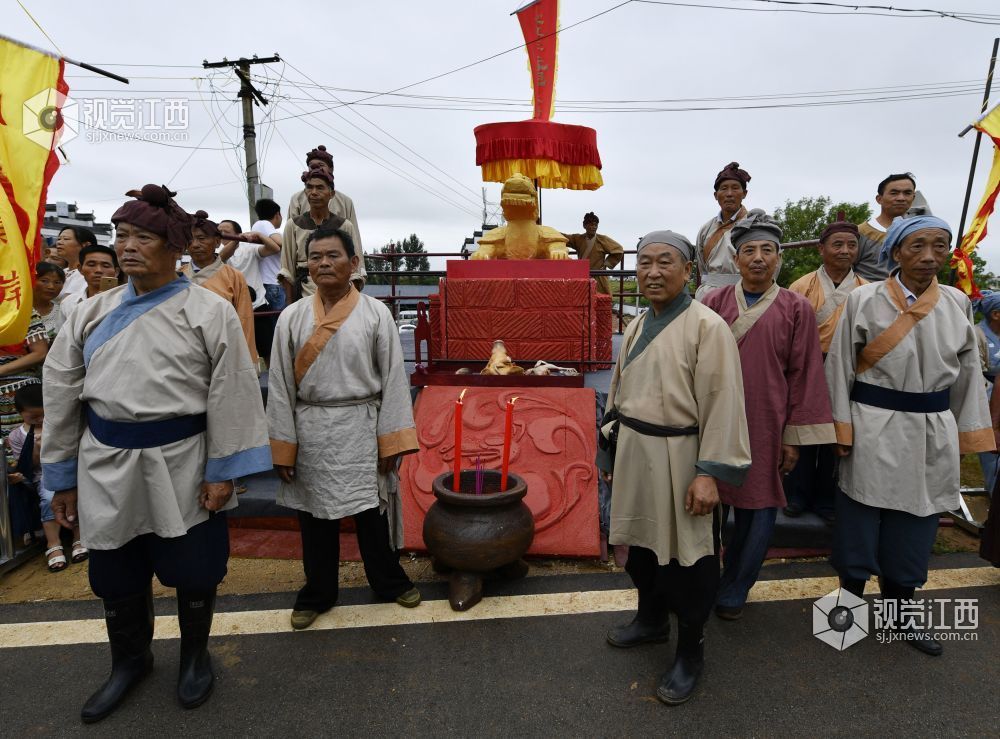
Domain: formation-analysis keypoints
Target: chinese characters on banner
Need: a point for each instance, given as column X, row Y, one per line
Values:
column 539, row 24
column 28, row 137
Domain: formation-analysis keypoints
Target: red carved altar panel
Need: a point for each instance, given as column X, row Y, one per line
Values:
column 553, row 449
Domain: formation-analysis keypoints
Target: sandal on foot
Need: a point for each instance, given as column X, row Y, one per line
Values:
column 56, row 563
column 79, row 553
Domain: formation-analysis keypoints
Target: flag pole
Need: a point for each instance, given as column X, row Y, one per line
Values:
column 975, row 149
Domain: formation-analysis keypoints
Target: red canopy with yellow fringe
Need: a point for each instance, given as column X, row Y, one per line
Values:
column 557, row 155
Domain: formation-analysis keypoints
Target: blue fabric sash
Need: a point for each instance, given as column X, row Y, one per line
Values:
column 145, row 434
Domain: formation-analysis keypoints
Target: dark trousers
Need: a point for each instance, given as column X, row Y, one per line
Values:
column 878, row 541
column 196, row 561
column 687, row 591
column 321, row 559
column 812, row 484
column 744, row 553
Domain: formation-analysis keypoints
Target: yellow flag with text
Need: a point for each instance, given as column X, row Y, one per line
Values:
column 961, row 260
column 32, row 96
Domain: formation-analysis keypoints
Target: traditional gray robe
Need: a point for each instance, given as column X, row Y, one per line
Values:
column 338, row 401
column 174, row 352
column 901, row 460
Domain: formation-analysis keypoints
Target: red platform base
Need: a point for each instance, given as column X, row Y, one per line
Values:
column 542, row 310
column 554, row 446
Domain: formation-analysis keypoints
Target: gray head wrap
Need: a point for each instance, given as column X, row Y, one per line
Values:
column 670, row 238
column 757, row 226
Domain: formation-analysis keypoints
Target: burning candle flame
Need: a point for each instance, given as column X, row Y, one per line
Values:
column 461, row 395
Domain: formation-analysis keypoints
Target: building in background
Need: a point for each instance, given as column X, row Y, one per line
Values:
column 60, row 215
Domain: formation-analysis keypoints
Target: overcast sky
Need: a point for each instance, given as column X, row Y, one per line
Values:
column 658, row 166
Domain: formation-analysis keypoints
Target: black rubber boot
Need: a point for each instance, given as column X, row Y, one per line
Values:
column 130, row 632
column 677, row 685
column 856, row 587
column 650, row 625
column 918, row 638
column 195, row 678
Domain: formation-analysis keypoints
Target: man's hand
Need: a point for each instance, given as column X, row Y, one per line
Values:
column 64, row 508
column 14, row 478
column 842, row 450
column 702, row 496
column 789, row 456
column 387, row 464
column 607, row 476
column 286, row 473
column 214, row 495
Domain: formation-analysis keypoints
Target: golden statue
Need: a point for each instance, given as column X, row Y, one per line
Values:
column 500, row 362
column 521, row 238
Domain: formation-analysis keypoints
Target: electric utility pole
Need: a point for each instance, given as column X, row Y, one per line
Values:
column 250, row 96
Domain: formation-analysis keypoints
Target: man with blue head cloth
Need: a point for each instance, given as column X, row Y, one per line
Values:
column 908, row 396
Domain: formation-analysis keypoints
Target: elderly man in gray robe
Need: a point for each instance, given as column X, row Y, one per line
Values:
column 152, row 408
column 676, row 424
column 909, row 400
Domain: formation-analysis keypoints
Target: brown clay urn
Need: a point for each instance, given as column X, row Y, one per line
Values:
column 472, row 536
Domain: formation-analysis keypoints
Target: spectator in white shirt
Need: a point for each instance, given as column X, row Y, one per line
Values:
column 269, row 224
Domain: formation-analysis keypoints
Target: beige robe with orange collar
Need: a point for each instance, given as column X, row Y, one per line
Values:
column 338, row 401
column 228, row 283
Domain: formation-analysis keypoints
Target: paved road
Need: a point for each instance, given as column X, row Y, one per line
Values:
column 540, row 675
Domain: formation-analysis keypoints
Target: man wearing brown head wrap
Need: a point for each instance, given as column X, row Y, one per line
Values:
column 603, row 252
column 340, row 203
column 714, row 246
column 294, row 273
column 813, row 483
column 207, row 269
column 153, row 407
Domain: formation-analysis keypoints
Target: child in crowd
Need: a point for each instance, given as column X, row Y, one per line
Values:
column 24, row 443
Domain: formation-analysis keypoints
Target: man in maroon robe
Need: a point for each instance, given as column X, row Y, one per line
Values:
column 787, row 402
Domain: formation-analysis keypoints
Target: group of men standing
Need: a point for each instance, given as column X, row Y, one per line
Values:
column 716, row 400
column 154, row 408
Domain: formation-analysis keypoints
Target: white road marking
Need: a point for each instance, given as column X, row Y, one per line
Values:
column 241, row 623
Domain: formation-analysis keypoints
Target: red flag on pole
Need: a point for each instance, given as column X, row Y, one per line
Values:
column 539, row 24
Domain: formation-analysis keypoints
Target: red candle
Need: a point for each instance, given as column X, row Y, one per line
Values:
column 508, row 425
column 457, row 482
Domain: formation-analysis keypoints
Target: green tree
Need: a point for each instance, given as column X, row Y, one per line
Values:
column 416, row 259
column 804, row 220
